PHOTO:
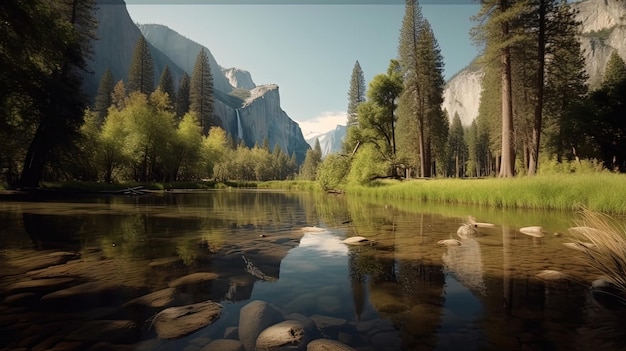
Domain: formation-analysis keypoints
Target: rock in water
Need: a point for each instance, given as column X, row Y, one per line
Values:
column 358, row 240
column 535, row 231
column 327, row 345
column 466, row 231
column 287, row 335
column 223, row 345
column 579, row 245
column 472, row 221
column 253, row 319
column 175, row 322
column 449, row 242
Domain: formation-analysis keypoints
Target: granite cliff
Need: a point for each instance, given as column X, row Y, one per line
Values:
column 250, row 119
column 603, row 31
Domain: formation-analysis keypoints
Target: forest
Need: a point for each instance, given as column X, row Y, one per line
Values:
column 537, row 112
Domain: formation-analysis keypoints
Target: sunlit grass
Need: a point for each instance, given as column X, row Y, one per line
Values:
column 608, row 253
column 604, row 192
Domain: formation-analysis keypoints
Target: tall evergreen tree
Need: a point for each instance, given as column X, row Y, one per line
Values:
column 62, row 101
column 566, row 83
column 356, row 94
column 141, row 73
column 495, row 17
column 422, row 67
column 166, row 84
column 201, row 92
column 104, row 97
column 182, row 97
column 457, row 146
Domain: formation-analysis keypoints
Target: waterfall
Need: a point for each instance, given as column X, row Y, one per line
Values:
column 239, row 127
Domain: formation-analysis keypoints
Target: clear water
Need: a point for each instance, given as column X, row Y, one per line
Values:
column 404, row 293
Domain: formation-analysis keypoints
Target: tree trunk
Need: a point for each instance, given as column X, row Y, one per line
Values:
column 507, row 162
column 541, row 52
column 35, row 161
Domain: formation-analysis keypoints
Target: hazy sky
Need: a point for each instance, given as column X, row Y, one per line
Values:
column 309, row 50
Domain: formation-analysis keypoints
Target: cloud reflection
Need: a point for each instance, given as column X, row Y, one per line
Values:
column 325, row 243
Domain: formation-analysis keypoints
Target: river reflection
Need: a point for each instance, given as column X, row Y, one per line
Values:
column 72, row 270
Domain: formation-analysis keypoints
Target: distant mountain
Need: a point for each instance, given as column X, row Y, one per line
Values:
column 330, row 142
column 251, row 115
column 603, row 31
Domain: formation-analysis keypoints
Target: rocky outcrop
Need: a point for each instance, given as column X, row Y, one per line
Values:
column 260, row 115
column 603, row 31
column 239, row 78
column 462, row 94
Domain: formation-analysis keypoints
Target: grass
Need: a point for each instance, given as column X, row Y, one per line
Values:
column 603, row 192
column 608, row 253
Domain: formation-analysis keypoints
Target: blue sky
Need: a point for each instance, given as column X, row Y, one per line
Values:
column 309, row 50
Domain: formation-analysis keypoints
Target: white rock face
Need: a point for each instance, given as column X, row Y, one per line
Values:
column 603, row 31
column 331, row 141
column 462, row 95
column 239, row 78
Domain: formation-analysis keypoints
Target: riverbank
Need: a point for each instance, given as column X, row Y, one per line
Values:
column 603, row 192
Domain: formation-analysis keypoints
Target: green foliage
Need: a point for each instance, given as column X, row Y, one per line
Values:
column 457, row 149
column 422, row 125
column 141, row 71
column 332, row 172
column 366, row 165
column 202, row 100
column 166, row 84
column 312, row 160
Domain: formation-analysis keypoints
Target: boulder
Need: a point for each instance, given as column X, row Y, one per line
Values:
column 287, row 335
column 40, row 285
column 114, row 331
column 175, row 322
column 253, row 319
column 327, row 345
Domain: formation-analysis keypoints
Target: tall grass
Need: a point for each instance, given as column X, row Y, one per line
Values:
column 608, row 253
column 604, row 192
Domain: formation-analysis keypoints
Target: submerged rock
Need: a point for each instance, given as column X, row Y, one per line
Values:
column 327, row 345
column 467, row 231
column 579, row 245
column 472, row 221
column 175, row 322
column 223, row 345
column 358, row 240
column 287, row 335
column 192, row 279
column 449, row 242
column 253, row 319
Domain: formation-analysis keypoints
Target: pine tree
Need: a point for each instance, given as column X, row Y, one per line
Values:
column 166, row 84
column 614, row 72
column 356, row 94
column 182, row 97
column 422, row 68
column 104, row 99
column 495, row 31
column 201, row 92
column 457, row 147
column 141, row 73
column 566, row 84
